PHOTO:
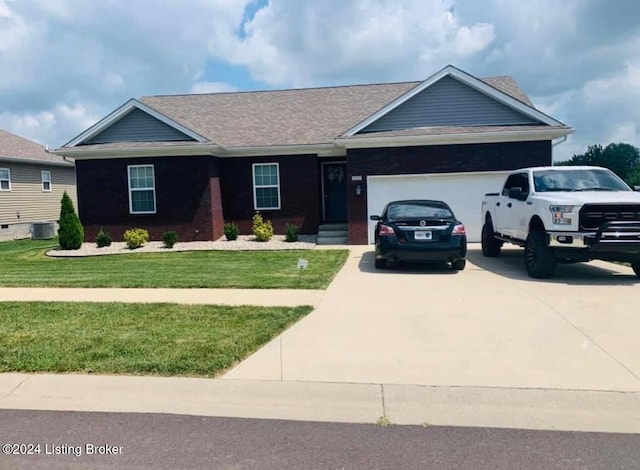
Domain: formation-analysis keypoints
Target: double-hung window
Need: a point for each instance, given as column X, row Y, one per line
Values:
column 266, row 186
column 46, row 180
column 142, row 189
column 5, row 179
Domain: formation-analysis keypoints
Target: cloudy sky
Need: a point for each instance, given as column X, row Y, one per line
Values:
column 64, row 64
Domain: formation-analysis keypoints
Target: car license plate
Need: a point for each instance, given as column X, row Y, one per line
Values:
column 422, row 235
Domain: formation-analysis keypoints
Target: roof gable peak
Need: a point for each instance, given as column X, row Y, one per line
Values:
column 468, row 80
column 122, row 111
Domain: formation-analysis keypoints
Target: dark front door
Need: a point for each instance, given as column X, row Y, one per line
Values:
column 334, row 184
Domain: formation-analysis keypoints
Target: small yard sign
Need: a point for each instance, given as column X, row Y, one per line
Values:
column 302, row 264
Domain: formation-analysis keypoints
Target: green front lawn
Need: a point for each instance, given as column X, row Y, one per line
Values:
column 150, row 339
column 25, row 265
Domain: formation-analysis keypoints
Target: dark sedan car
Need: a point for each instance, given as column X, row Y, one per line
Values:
column 419, row 230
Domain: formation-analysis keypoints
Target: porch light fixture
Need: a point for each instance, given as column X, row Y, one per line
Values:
column 358, row 190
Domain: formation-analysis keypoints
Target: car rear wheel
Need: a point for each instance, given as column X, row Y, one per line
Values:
column 458, row 264
column 380, row 263
column 636, row 268
column 490, row 246
column 539, row 259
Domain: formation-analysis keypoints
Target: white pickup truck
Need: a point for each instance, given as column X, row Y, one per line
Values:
column 563, row 214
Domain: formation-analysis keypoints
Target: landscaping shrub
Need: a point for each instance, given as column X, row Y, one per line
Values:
column 262, row 229
column 291, row 233
column 136, row 237
column 70, row 231
column 231, row 231
column 103, row 239
column 169, row 238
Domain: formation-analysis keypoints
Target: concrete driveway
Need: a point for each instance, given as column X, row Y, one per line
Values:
column 487, row 326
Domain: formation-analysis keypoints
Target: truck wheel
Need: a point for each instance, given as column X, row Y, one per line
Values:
column 539, row 259
column 636, row 268
column 490, row 245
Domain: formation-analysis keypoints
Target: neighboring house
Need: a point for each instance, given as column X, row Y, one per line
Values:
column 305, row 156
column 32, row 182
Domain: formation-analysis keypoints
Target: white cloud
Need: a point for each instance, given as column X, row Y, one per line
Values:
column 46, row 126
column 99, row 54
column 212, row 87
column 289, row 42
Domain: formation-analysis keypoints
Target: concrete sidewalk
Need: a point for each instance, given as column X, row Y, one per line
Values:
column 258, row 297
column 330, row 402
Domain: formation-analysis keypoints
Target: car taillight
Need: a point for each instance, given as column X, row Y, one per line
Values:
column 458, row 230
column 386, row 231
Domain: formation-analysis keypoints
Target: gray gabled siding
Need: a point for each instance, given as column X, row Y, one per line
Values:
column 138, row 126
column 449, row 102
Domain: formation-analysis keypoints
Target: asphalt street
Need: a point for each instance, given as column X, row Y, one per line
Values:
column 74, row 440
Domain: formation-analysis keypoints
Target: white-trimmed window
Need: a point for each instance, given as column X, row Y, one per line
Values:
column 5, row 179
column 266, row 186
column 142, row 189
column 46, row 180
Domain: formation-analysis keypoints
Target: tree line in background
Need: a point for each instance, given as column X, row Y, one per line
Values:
column 623, row 159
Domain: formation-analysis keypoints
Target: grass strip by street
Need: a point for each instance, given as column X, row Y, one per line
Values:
column 24, row 264
column 136, row 339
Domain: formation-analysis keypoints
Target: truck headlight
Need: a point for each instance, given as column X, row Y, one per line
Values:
column 561, row 215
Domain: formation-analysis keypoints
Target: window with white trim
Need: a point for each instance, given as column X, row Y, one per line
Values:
column 142, row 189
column 46, row 180
column 266, row 186
column 5, row 179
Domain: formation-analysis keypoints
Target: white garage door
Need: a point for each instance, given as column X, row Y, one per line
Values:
column 462, row 191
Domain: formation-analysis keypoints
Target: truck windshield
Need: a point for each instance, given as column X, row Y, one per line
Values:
column 577, row 180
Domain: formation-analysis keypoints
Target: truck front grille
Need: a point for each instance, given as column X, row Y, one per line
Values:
column 592, row 216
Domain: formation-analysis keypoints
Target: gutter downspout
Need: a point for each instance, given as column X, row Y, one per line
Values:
column 562, row 141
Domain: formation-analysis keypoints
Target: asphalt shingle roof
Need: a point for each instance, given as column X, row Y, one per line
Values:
column 18, row 148
column 289, row 117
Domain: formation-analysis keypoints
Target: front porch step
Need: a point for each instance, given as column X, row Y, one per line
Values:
column 324, row 227
column 332, row 240
column 333, row 234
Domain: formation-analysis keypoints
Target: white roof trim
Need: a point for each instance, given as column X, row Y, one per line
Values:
column 321, row 150
column 191, row 149
column 81, row 153
column 468, row 80
column 460, row 138
column 121, row 112
column 26, row 161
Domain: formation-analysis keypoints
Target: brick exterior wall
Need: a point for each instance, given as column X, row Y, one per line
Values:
column 187, row 197
column 432, row 159
column 299, row 192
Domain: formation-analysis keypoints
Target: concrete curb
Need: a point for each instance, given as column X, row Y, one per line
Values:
column 568, row 410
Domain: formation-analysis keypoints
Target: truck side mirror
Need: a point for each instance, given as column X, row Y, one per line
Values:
column 516, row 193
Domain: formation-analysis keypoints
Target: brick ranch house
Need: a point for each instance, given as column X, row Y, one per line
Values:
column 309, row 157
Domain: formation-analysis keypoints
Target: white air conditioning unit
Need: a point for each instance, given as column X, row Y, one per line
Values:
column 43, row 231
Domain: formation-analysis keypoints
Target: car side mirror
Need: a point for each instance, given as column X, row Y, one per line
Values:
column 375, row 217
column 516, row 193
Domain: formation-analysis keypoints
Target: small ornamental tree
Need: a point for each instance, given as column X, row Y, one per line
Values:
column 70, row 231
